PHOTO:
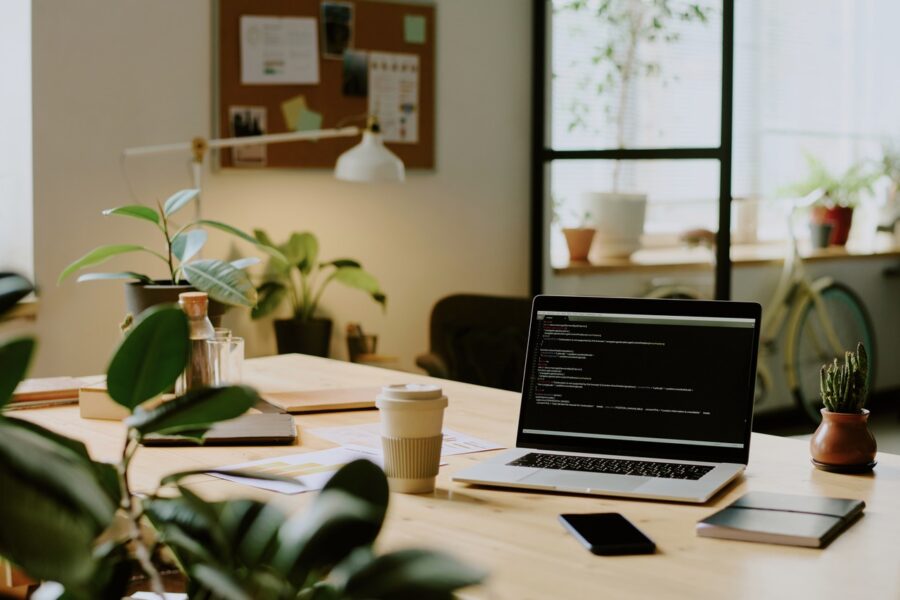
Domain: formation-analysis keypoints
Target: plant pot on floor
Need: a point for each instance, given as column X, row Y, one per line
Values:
column 312, row 336
column 843, row 442
column 820, row 234
column 579, row 240
column 139, row 297
column 619, row 221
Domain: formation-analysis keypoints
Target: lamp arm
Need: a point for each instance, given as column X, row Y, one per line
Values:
column 271, row 138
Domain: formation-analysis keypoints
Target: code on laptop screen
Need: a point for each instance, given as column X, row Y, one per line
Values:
column 641, row 378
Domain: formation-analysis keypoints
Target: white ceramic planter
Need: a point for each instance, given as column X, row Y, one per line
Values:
column 619, row 221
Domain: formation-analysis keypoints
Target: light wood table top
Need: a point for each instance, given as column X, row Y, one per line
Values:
column 515, row 534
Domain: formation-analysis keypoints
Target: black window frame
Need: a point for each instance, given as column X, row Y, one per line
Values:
column 542, row 154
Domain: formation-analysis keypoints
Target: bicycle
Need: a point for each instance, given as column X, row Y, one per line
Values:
column 819, row 318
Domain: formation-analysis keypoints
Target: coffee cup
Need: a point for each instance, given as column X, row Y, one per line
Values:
column 412, row 418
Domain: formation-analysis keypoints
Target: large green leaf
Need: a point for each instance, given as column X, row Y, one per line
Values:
column 55, row 469
column 15, row 357
column 100, row 255
column 268, row 249
column 195, row 411
column 187, row 244
column 337, row 524
column 178, row 200
column 263, row 238
column 355, row 277
column 304, row 251
column 44, row 535
column 12, row 289
column 123, row 275
column 342, row 262
column 251, row 529
column 136, row 211
column 421, row 574
column 220, row 582
column 190, row 525
column 362, row 479
column 270, row 296
column 150, row 358
column 221, row 281
column 243, row 263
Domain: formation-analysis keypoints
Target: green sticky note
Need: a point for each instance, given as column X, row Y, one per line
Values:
column 308, row 120
column 414, row 29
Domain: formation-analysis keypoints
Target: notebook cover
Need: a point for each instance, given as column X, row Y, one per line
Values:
column 52, row 388
column 323, row 400
column 782, row 519
column 248, row 430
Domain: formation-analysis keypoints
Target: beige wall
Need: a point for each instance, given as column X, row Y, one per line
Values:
column 110, row 74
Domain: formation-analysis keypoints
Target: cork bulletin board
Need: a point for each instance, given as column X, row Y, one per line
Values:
column 285, row 65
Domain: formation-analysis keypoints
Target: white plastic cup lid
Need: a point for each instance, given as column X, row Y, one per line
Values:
column 412, row 391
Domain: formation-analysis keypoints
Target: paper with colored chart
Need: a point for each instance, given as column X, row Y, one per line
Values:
column 311, row 469
column 393, row 83
column 368, row 436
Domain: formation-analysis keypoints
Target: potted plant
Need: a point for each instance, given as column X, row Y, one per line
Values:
column 611, row 71
column 838, row 195
column 579, row 236
column 225, row 282
column 843, row 441
column 889, row 168
column 295, row 273
column 78, row 522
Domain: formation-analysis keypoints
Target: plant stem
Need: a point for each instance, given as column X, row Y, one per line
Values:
column 132, row 509
column 322, row 287
column 165, row 222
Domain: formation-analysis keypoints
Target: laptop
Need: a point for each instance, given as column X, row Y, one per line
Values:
column 635, row 397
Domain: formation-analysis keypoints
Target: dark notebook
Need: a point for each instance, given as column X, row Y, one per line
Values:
column 811, row 521
column 248, row 430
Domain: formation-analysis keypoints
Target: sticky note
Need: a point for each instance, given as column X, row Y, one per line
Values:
column 414, row 29
column 291, row 108
column 308, row 120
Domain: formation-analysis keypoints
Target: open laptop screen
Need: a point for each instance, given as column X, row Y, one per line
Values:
column 650, row 384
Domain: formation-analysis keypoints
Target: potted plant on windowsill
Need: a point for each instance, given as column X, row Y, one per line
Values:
column 843, row 441
column 294, row 273
column 838, row 195
column 82, row 526
column 225, row 282
column 611, row 72
column 574, row 226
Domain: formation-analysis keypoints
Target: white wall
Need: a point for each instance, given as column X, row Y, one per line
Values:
column 15, row 140
column 110, row 74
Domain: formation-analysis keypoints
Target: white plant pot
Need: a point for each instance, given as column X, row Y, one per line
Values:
column 619, row 221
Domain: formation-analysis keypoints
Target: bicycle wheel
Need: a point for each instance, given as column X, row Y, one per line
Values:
column 851, row 323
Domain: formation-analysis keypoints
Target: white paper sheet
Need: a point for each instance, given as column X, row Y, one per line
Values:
column 369, row 436
column 310, row 469
column 279, row 50
column 394, row 95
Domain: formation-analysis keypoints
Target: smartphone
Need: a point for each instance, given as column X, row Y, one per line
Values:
column 608, row 534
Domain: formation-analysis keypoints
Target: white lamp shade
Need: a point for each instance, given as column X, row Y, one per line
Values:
column 369, row 161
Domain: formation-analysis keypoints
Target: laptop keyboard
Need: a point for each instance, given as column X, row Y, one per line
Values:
column 592, row 464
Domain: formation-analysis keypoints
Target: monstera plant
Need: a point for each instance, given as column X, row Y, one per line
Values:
column 80, row 524
column 224, row 281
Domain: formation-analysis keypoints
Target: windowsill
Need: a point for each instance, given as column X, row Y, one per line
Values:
column 683, row 258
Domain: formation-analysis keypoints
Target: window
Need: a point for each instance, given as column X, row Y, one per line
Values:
column 633, row 105
column 16, row 232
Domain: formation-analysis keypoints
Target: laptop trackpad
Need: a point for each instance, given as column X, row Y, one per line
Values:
column 586, row 481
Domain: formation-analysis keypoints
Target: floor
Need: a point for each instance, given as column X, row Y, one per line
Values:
column 884, row 423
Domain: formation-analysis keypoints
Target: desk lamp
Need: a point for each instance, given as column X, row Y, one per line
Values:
column 367, row 161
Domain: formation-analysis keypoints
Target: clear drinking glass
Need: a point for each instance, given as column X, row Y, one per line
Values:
column 221, row 333
column 226, row 356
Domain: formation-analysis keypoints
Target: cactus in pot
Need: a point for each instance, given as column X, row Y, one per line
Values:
column 844, row 386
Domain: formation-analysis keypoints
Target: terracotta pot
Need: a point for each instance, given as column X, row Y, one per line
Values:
column 139, row 297
column 843, row 439
column 839, row 217
column 579, row 240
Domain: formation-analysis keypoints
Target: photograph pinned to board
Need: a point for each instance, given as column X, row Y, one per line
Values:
column 248, row 121
column 356, row 73
column 337, row 29
column 279, row 50
column 394, row 95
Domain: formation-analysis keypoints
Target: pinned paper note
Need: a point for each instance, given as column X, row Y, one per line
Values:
column 290, row 110
column 308, row 120
column 279, row 50
column 394, row 95
column 355, row 80
column 414, row 29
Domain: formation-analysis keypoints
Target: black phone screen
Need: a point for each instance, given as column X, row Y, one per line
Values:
column 607, row 534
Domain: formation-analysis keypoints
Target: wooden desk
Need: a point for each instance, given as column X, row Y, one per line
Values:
column 515, row 534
